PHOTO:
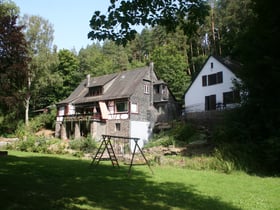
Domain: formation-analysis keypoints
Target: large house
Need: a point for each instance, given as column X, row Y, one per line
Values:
column 127, row 103
column 213, row 88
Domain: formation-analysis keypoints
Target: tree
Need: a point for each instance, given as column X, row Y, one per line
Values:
column 122, row 15
column 231, row 20
column 68, row 71
column 93, row 61
column 8, row 8
column 258, row 49
column 39, row 35
column 13, row 70
column 251, row 135
column 171, row 67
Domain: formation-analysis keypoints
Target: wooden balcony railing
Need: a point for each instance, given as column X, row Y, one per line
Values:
column 82, row 117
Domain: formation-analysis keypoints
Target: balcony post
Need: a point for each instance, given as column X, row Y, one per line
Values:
column 77, row 132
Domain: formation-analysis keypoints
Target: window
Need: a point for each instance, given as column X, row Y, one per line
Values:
column 146, row 89
column 121, row 106
column 117, row 127
column 212, row 65
column 204, row 80
column 156, row 89
column 134, row 108
column 215, row 78
column 95, row 91
column 220, row 77
column 231, row 97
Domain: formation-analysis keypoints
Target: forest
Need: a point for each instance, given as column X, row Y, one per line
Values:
column 34, row 74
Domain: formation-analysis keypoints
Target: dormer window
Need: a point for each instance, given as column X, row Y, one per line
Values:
column 95, row 91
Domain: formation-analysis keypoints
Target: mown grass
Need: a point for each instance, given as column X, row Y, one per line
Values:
column 36, row 181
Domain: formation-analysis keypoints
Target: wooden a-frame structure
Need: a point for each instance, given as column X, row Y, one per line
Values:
column 106, row 145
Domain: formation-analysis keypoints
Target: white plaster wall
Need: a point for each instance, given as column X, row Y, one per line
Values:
column 140, row 130
column 71, row 109
column 195, row 96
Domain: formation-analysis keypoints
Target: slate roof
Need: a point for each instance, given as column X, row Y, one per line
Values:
column 233, row 65
column 122, row 86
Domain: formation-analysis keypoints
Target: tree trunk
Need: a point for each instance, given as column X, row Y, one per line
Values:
column 27, row 102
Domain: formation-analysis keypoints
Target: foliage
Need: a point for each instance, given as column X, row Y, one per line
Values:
column 68, row 70
column 9, row 8
column 83, row 144
column 43, row 80
column 184, row 132
column 45, row 120
column 240, row 141
column 13, row 71
column 251, row 136
column 232, row 18
column 180, row 134
column 39, row 144
column 171, row 67
column 187, row 15
column 161, row 139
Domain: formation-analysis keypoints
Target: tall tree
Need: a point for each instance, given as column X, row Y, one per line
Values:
column 171, row 67
column 68, row 70
column 258, row 48
column 231, row 19
column 39, row 35
column 252, row 133
column 13, row 70
column 93, row 61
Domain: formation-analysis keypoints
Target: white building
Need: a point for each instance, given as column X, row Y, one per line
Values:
column 213, row 88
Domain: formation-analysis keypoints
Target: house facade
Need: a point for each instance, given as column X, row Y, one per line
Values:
column 213, row 88
column 127, row 103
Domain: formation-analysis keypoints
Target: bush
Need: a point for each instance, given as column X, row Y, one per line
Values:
column 183, row 132
column 39, row 144
column 83, row 144
column 161, row 139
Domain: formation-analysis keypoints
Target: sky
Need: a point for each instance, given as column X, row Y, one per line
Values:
column 70, row 18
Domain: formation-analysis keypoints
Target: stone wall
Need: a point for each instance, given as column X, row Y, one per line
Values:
column 118, row 127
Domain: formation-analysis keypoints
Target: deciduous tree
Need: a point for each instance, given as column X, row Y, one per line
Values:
column 13, row 71
column 122, row 15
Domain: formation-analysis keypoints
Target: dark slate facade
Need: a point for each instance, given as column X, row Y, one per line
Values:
column 127, row 103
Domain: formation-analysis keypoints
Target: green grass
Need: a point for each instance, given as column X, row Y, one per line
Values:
column 36, row 181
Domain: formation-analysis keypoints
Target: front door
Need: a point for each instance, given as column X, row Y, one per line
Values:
column 210, row 102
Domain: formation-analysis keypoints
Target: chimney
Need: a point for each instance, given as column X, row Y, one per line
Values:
column 88, row 80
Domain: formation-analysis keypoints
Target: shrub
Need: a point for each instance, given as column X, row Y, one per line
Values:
column 161, row 139
column 183, row 132
column 83, row 144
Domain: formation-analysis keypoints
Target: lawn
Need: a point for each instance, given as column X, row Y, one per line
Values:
column 37, row 181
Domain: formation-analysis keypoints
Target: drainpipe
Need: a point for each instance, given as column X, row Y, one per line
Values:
column 151, row 84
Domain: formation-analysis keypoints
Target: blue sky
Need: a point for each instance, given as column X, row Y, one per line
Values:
column 70, row 18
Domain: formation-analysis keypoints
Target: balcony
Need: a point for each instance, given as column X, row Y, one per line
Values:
column 83, row 117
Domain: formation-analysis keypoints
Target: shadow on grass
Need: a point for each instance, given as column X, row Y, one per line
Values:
column 46, row 182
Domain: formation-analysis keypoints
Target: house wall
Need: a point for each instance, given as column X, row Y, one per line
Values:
column 142, row 130
column 195, row 96
column 143, row 103
column 97, row 129
column 113, row 129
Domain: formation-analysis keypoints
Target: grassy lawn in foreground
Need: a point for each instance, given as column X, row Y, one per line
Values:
column 37, row 181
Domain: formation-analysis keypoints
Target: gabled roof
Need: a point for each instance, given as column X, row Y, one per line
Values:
column 233, row 66
column 122, row 85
